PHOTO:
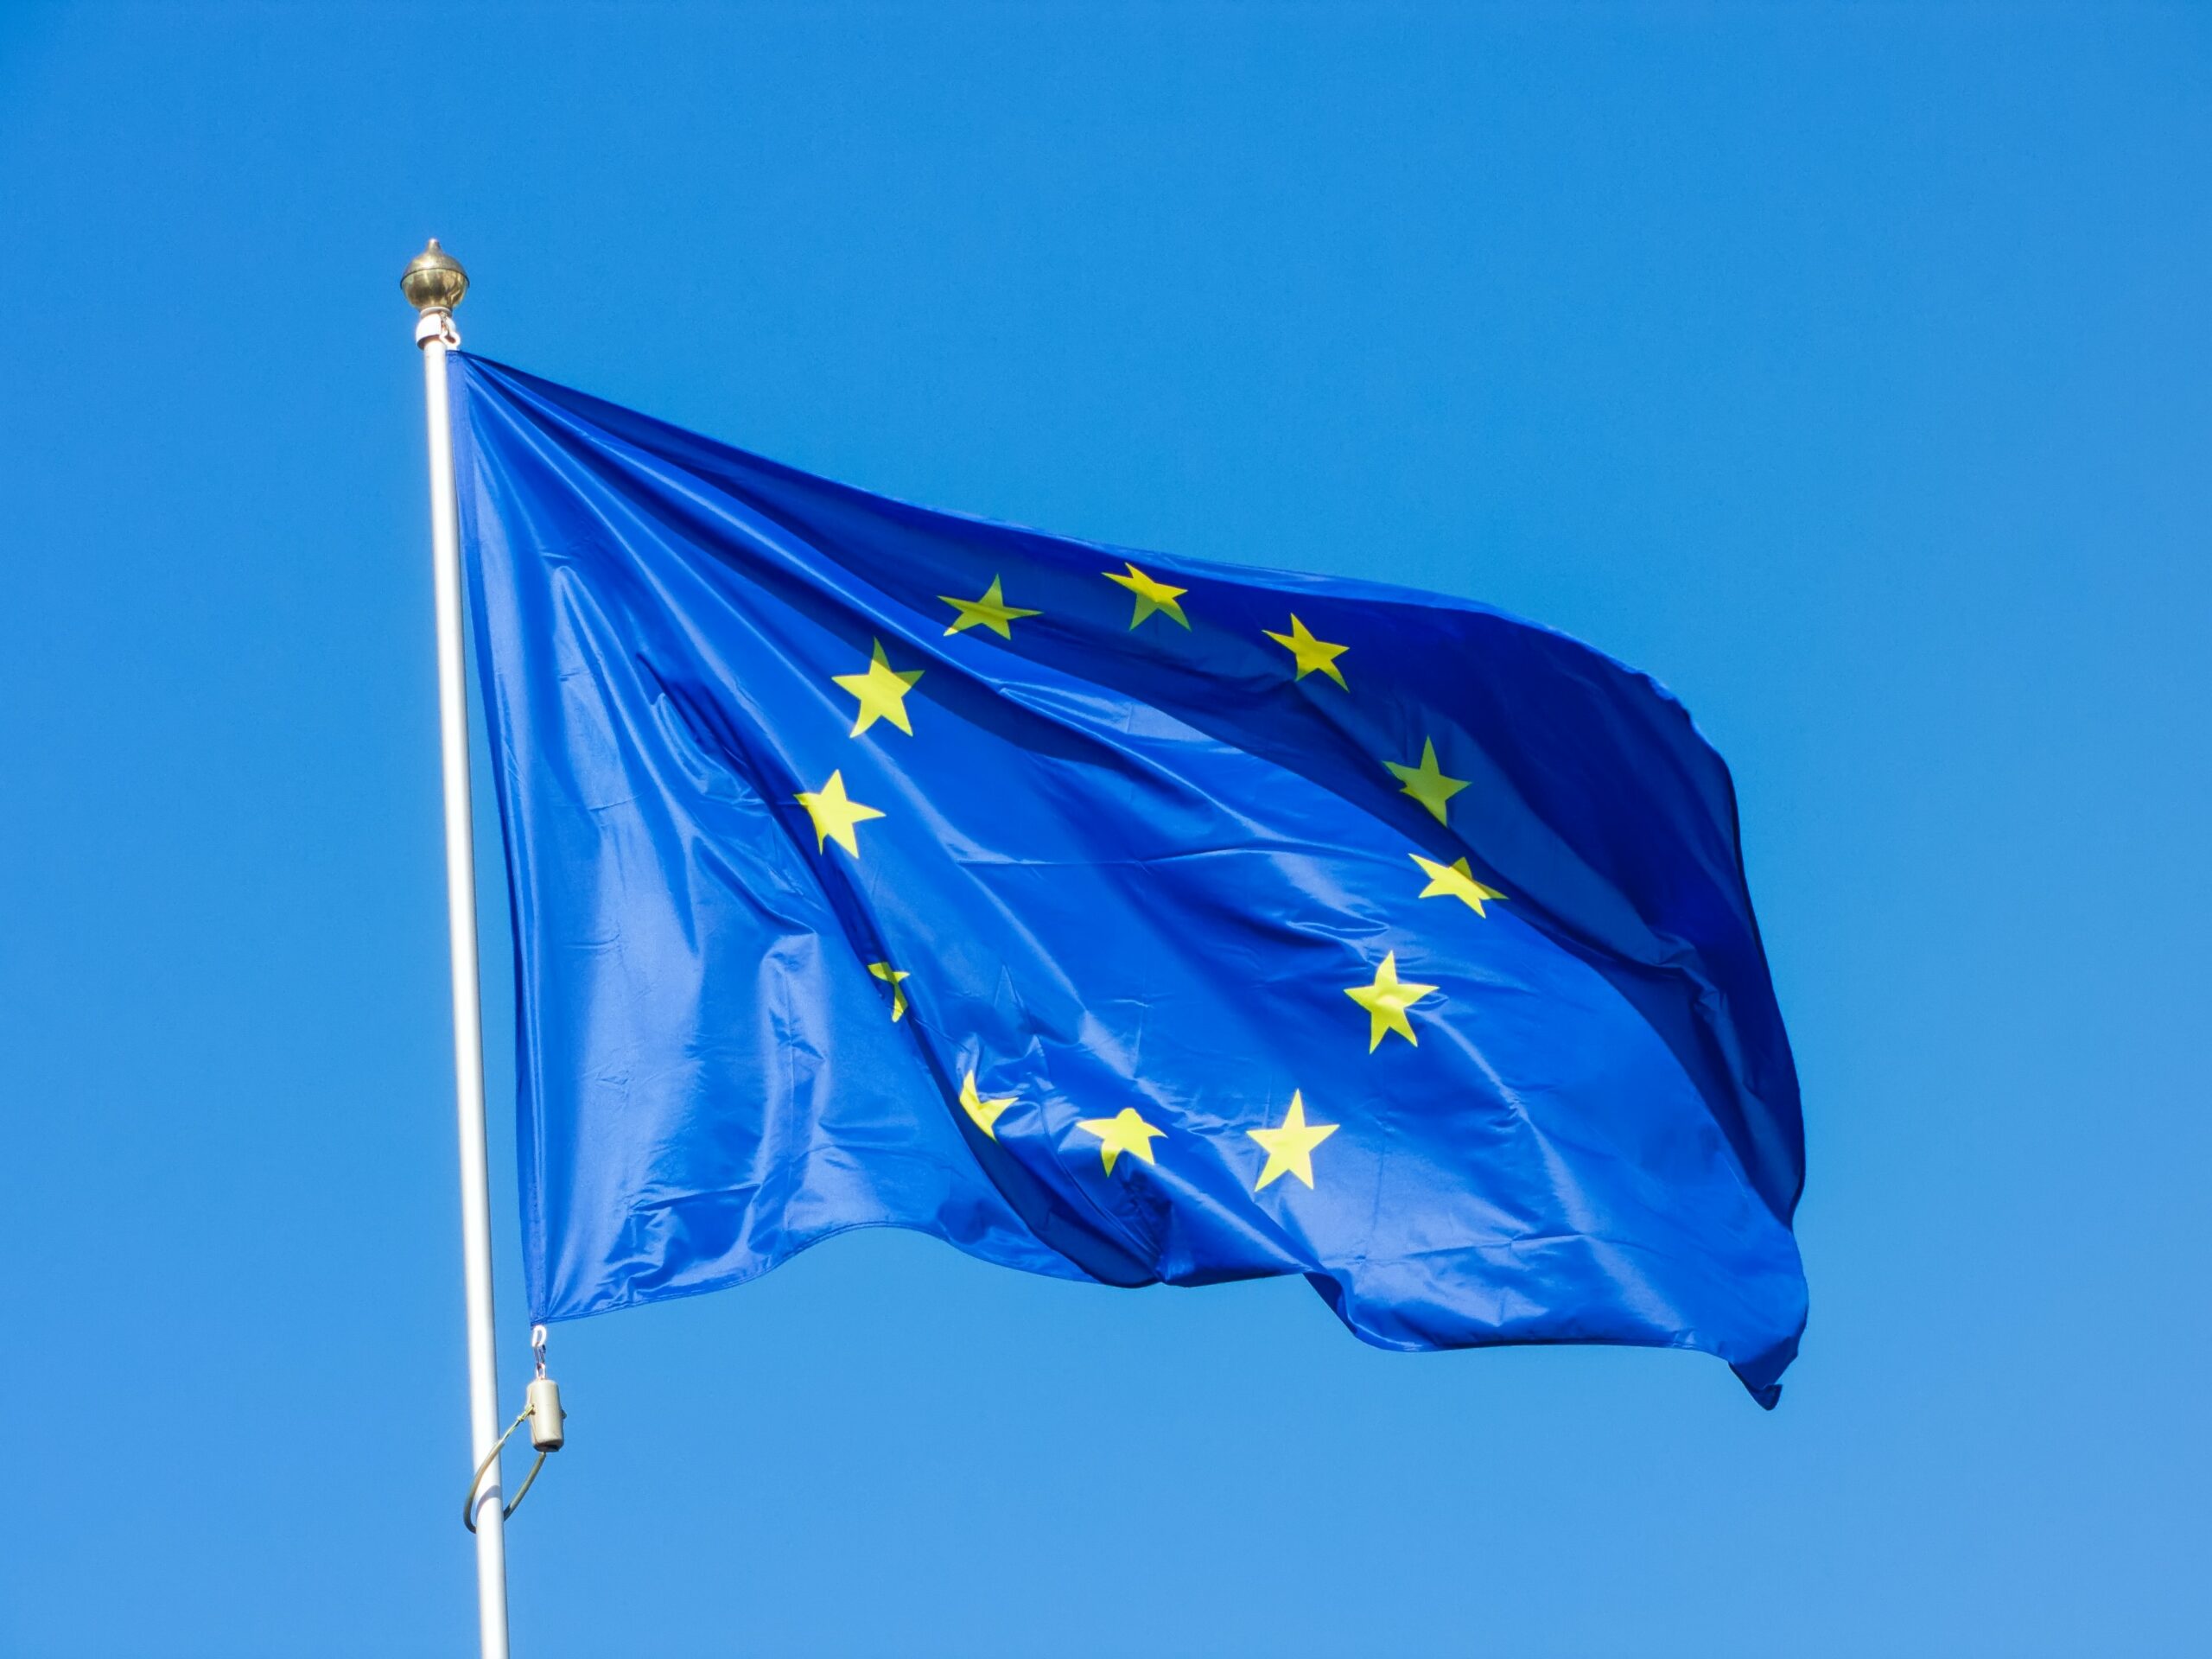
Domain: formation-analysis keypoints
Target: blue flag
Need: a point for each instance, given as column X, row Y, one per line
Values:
column 1119, row 916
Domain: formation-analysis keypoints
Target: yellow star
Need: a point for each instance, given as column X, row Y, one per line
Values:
column 891, row 976
column 1425, row 783
column 985, row 1112
column 991, row 611
column 1455, row 880
column 881, row 690
column 1151, row 595
column 1125, row 1132
column 834, row 814
column 1290, row 1148
column 1386, row 1002
column 1309, row 652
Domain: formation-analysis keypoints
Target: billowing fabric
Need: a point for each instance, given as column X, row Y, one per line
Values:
column 1114, row 916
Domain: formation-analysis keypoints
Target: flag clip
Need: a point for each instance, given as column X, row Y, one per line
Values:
column 542, row 1411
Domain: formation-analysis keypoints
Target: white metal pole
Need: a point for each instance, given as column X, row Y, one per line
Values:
column 435, row 284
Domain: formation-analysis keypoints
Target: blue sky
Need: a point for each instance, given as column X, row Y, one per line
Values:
column 1845, row 367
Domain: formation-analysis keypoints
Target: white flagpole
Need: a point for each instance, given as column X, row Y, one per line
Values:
column 433, row 284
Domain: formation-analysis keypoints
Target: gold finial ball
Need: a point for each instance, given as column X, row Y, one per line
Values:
column 435, row 280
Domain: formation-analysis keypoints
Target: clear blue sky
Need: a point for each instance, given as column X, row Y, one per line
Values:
column 1848, row 368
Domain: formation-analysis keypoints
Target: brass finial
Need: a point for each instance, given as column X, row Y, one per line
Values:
column 433, row 280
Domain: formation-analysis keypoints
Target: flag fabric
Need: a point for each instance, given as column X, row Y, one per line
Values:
column 1117, row 916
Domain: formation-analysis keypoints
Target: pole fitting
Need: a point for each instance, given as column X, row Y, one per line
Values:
column 433, row 280
column 434, row 283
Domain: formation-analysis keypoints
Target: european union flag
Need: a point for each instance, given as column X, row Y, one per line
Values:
column 1123, row 918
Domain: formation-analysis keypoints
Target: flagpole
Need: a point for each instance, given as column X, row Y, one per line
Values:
column 433, row 284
